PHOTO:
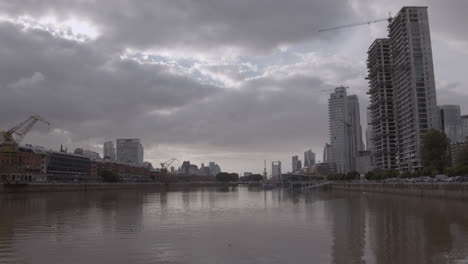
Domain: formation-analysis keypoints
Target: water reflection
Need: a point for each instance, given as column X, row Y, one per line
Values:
column 230, row 225
column 397, row 229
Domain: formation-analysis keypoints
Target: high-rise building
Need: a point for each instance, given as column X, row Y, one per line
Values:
column 369, row 131
column 109, row 150
column 295, row 163
column 345, row 130
column 381, row 109
column 338, row 119
column 450, row 122
column 355, row 128
column 413, row 83
column 129, row 150
column 464, row 124
column 276, row 170
column 327, row 153
column 309, row 158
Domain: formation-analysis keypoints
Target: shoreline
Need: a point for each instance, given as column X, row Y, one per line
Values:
column 444, row 190
column 71, row 187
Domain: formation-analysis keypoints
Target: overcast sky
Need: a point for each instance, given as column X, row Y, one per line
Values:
column 235, row 82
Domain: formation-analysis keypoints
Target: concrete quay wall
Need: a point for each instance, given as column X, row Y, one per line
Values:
column 66, row 187
column 449, row 190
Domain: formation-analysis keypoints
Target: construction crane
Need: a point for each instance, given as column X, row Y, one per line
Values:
column 13, row 137
column 167, row 163
column 164, row 168
column 332, row 89
column 389, row 19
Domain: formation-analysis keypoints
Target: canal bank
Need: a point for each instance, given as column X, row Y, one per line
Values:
column 68, row 187
column 448, row 190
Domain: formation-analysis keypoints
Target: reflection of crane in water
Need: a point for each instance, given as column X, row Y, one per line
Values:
column 10, row 139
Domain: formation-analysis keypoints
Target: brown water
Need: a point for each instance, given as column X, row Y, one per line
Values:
column 230, row 226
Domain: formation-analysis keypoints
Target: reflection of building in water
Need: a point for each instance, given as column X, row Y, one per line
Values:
column 395, row 235
column 349, row 218
column 408, row 230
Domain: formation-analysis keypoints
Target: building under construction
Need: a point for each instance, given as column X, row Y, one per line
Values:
column 382, row 106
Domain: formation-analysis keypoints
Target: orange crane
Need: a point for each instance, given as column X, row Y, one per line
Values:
column 389, row 19
column 11, row 138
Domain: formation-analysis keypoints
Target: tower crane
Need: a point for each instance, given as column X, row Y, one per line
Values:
column 167, row 163
column 13, row 137
column 389, row 19
column 332, row 89
column 164, row 167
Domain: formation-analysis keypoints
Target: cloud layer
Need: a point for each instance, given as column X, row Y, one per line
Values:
column 236, row 82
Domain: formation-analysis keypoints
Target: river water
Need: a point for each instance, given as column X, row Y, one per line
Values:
column 230, row 225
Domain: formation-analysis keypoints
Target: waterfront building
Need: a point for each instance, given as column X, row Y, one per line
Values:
column 381, row 137
column 189, row 169
column 357, row 143
column 296, row 163
column 27, row 164
column 62, row 166
column 450, row 122
column 130, row 151
column 338, row 119
column 464, row 124
column 327, row 153
column 109, row 150
column 214, row 168
column 321, row 169
column 309, row 158
column 276, row 170
column 369, row 131
column 87, row 153
column 455, row 147
column 345, row 130
column 363, row 161
column 413, row 83
column 204, row 170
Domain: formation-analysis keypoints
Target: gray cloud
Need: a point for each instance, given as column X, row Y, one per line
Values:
column 263, row 101
column 251, row 25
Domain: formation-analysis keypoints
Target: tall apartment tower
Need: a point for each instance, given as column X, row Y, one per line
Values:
column 309, row 158
column 339, row 130
column 109, row 150
column 344, row 129
column 357, row 143
column 382, row 106
column 276, row 170
column 296, row 163
column 464, row 123
column 369, row 131
column 129, row 150
column 413, row 83
column 451, row 123
column 327, row 155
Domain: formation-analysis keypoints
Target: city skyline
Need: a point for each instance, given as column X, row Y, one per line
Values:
column 233, row 101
